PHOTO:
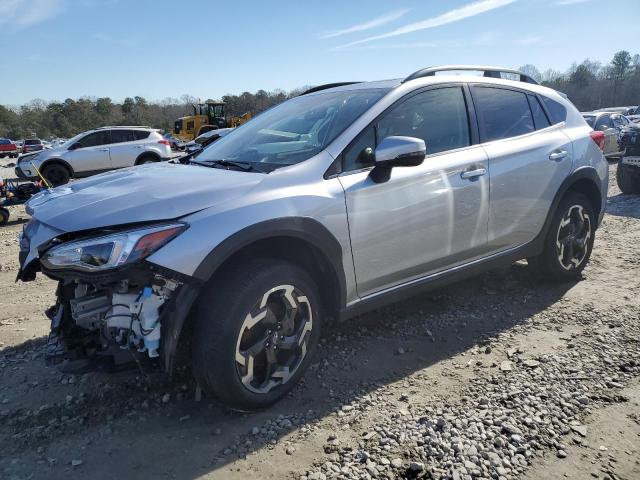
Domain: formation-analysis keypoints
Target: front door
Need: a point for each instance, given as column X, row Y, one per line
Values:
column 92, row 153
column 424, row 219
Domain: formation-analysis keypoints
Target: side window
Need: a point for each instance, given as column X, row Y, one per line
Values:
column 557, row 112
column 360, row 153
column 503, row 113
column 604, row 122
column 121, row 136
column 142, row 134
column 437, row 116
column 539, row 117
column 95, row 139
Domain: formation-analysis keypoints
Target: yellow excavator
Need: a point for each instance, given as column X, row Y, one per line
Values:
column 206, row 116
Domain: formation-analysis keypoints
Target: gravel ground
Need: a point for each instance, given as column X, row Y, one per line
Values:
column 497, row 377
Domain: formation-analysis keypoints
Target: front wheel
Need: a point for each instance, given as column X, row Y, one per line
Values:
column 255, row 333
column 56, row 174
column 569, row 241
column 628, row 179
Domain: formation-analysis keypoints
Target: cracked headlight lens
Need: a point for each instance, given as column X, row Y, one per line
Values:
column 110, row 251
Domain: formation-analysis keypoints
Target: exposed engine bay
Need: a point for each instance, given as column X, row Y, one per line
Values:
column 90, row 319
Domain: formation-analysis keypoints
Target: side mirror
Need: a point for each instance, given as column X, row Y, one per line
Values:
column 75, row 146
column 397, row 152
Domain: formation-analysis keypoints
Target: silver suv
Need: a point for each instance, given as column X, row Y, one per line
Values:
column 332, row 203
column 95, row 151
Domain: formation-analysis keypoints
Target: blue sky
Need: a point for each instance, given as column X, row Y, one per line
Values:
column 160, row 48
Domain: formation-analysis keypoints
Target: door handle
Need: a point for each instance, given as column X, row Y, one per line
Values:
column 555, row 156
column 137, row 146
column 478, row 172
column 104, row 149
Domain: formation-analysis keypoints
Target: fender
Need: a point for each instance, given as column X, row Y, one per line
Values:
column 303, row 228
column 49, row 161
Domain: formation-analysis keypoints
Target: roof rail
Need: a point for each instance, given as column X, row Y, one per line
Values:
column 492, row 72
column 325, row 86
column 123, row 126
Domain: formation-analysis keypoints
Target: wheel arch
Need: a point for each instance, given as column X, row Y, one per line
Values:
column 585, row 180
column 58, row 161
column 147, row 154
column 302, row 241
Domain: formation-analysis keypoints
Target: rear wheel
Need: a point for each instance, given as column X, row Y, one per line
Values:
column 569, row 241
column 147, row 159
column 4, row 216
column 56, row 174
column 255, row 333
column 628, row 179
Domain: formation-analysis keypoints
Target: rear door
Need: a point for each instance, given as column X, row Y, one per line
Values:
column 91, row 153
column 424, row 219
column 529, row 157
column 122, row 148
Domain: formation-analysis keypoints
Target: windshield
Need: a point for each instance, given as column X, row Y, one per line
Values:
column 590, row 119
column 293, row 131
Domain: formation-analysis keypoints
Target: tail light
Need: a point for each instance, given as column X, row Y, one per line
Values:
column 164, row 142
column 598, row 137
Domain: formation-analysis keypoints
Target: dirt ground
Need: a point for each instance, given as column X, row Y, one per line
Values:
column 552, row 372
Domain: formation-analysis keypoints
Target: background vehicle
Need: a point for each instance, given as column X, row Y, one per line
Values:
column 206, row 139
column 206, row 117
column 633, row 118
column 32, row 145
column 15, row 193
column 628, row 172
column 96, row 151
column 610, row 123
column 8, row 148
column 630, row 110
column 332, row 203
column 19, row 144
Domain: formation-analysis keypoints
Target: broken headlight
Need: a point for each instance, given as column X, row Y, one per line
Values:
column 110, row 251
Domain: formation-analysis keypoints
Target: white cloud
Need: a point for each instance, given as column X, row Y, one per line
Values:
column 25, row 13
column 562, row 3
column 376, row 22
column 402, row 46
column 470, row 10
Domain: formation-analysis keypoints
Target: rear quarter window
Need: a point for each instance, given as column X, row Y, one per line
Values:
column 557, row 112
column 141, row 134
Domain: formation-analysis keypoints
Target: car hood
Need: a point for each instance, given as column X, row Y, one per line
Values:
column 147, row 193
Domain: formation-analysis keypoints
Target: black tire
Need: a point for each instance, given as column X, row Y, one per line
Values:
column 56, row 174
column 548, row 265
column 220, row 331
column 628, row 179
column 146, row 159
column 4, row 216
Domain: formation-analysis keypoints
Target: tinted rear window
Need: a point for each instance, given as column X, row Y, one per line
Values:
column 32, row 142
column 557, row 112
column 121, row 136
column 4, row 141
column 503, row 113
column 539, row 117
column 141, row 134
column 590, row 119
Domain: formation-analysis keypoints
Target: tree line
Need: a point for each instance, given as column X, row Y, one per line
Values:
column 589, row 85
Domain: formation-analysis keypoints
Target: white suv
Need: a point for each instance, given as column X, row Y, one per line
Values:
column 95, row 151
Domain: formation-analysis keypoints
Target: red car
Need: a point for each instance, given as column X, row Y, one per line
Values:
column 32, row 145
column 8, row 148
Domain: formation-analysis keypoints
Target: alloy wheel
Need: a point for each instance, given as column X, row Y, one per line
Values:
column 573, row 237
column 272, row 342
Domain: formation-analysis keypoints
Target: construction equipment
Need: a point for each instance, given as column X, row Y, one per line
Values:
column 207, row 116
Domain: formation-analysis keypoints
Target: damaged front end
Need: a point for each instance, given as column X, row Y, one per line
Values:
column 109, row 298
